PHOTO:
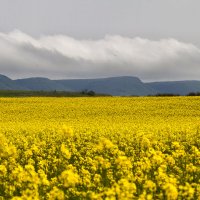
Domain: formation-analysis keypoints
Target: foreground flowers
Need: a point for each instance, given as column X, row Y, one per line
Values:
column 93, row 161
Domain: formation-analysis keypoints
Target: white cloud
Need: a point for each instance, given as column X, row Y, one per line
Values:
column 60, row 56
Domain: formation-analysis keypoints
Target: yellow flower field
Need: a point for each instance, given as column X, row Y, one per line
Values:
column 100, row 148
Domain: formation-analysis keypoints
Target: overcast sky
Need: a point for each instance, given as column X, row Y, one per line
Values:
column 151, row 39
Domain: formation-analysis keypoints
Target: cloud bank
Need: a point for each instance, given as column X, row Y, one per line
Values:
column 60, row 56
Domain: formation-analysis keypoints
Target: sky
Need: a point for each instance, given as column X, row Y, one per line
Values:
column 154, row 40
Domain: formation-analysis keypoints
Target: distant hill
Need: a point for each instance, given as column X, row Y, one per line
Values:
column 8, row 84
column 175, row 87
column 37, row 84
column 116, row 86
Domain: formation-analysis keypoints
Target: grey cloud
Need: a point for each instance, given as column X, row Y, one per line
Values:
column 60, row 56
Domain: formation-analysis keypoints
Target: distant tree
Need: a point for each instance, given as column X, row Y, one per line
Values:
column 165, row 95
column 85, row 91
column 193, row 94
column 91, row 93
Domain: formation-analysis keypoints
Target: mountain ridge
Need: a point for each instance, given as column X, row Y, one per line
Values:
column 116, row 86
column 176, row 87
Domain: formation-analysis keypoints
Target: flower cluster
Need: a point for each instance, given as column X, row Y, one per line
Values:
column 101, row 158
